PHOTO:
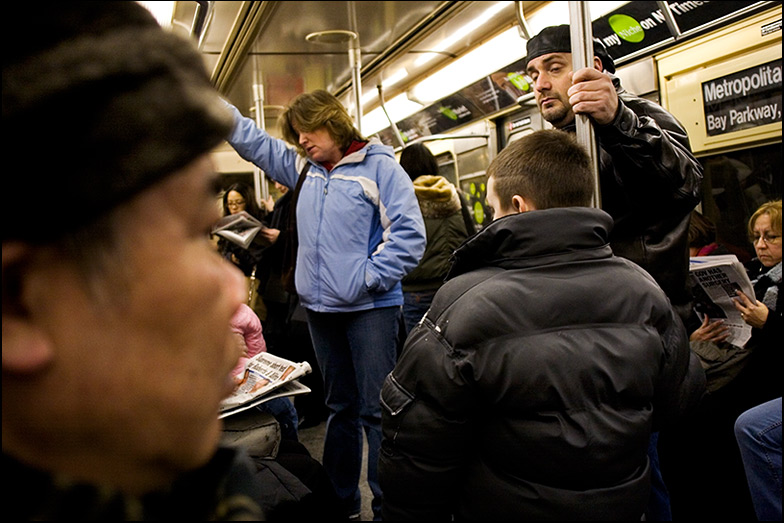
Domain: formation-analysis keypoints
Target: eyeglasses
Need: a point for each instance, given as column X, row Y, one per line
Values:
column 235, row 203
column 767, row 239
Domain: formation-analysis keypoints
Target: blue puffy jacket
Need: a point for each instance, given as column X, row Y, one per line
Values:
column 359, row 226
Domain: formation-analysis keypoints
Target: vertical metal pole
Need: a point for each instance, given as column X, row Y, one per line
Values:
column 582, row 56
column 355, row 61
column 259, row 177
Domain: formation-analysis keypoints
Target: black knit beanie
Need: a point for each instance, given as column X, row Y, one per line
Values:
column 99, row 103
column 556, row 39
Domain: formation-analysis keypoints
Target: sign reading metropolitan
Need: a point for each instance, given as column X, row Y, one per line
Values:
column 743, row 100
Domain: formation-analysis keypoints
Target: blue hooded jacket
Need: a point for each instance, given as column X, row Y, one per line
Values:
column 359, row 226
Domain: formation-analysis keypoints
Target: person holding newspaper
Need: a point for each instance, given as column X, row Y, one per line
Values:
column 716, row 471
column 360, row 231
column 246, row 325
column 239, row 198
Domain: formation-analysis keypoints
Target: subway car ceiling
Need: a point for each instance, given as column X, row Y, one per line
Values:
column 432, row 63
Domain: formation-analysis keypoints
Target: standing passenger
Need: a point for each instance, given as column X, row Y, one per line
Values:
column 649, row 179
column 441, row 209
column 360, row 231
column 545, row 412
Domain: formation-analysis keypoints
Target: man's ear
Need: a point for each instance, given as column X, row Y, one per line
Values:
column 597, row 64
column 520, row 204
column 26, row 348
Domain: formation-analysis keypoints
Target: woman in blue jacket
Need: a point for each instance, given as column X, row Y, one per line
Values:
column 360, row 231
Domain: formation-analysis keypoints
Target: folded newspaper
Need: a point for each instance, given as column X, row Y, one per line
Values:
column 266, row 377
column 715, row 280
column 240, row 228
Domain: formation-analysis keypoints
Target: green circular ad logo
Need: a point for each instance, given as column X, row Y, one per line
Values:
column 479, row 213
column 627, row 28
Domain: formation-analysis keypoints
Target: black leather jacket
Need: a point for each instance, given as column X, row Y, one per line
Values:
column 650, row 182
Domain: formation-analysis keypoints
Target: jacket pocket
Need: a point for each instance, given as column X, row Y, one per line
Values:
column 394, row 398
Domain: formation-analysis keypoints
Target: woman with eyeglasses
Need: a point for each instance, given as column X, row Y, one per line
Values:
column 763, row 311
column 701, row 459
column 758, row 430
column 237, row 198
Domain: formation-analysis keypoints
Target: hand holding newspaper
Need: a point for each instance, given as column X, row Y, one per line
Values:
column 715, row 282
column 240, row 228
column 266, row 377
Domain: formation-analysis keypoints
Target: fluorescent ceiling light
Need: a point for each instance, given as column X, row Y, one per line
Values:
column 398, row 108
column 162, row 11
column 557, row 13
column 395, row 77
column 486, row 59
column 462, row 32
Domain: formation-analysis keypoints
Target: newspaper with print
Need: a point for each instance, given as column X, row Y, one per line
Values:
column 240, row 228
column 715, row 282
column 266, row 377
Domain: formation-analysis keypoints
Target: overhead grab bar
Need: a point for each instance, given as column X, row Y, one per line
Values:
column 522, row 24
column 395, row 131
column 438, row 137
column 200, row 17
column 672, row 24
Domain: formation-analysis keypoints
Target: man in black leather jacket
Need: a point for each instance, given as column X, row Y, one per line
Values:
column 649, row 179
column 545, row 412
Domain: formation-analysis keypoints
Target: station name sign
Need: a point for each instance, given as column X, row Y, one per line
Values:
column 743, row 100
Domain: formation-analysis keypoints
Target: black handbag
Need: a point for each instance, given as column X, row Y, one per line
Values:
column 291, row 241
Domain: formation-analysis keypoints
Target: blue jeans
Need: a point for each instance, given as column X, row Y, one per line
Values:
column 355, row 352
column 758, row 431
column 284, row 412
column 659, row 501
column 415, row 305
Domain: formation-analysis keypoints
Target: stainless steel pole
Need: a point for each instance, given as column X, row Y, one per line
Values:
column 582, row 56
column 261, row 188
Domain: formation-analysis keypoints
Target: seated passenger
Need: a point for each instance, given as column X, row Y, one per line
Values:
column 530, row 389
column 758, row 431
column 713, row 468
column 247, row 326
column 116, row 341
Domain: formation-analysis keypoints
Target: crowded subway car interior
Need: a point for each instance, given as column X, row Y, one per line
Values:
column 463, row 79
column 450, row 74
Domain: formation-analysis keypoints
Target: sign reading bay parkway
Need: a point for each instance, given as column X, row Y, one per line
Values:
column 743, row 100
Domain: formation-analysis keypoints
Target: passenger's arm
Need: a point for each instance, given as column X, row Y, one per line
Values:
column 404, row 240
column 651, row 155
column 427, row 429
column 271, row 155
column 682, row 381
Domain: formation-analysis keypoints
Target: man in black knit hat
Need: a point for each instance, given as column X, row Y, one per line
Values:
column 117, row 348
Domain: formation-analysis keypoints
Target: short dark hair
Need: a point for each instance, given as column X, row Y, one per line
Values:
column 702, row 231
column 547, row 167
column 417, row 160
